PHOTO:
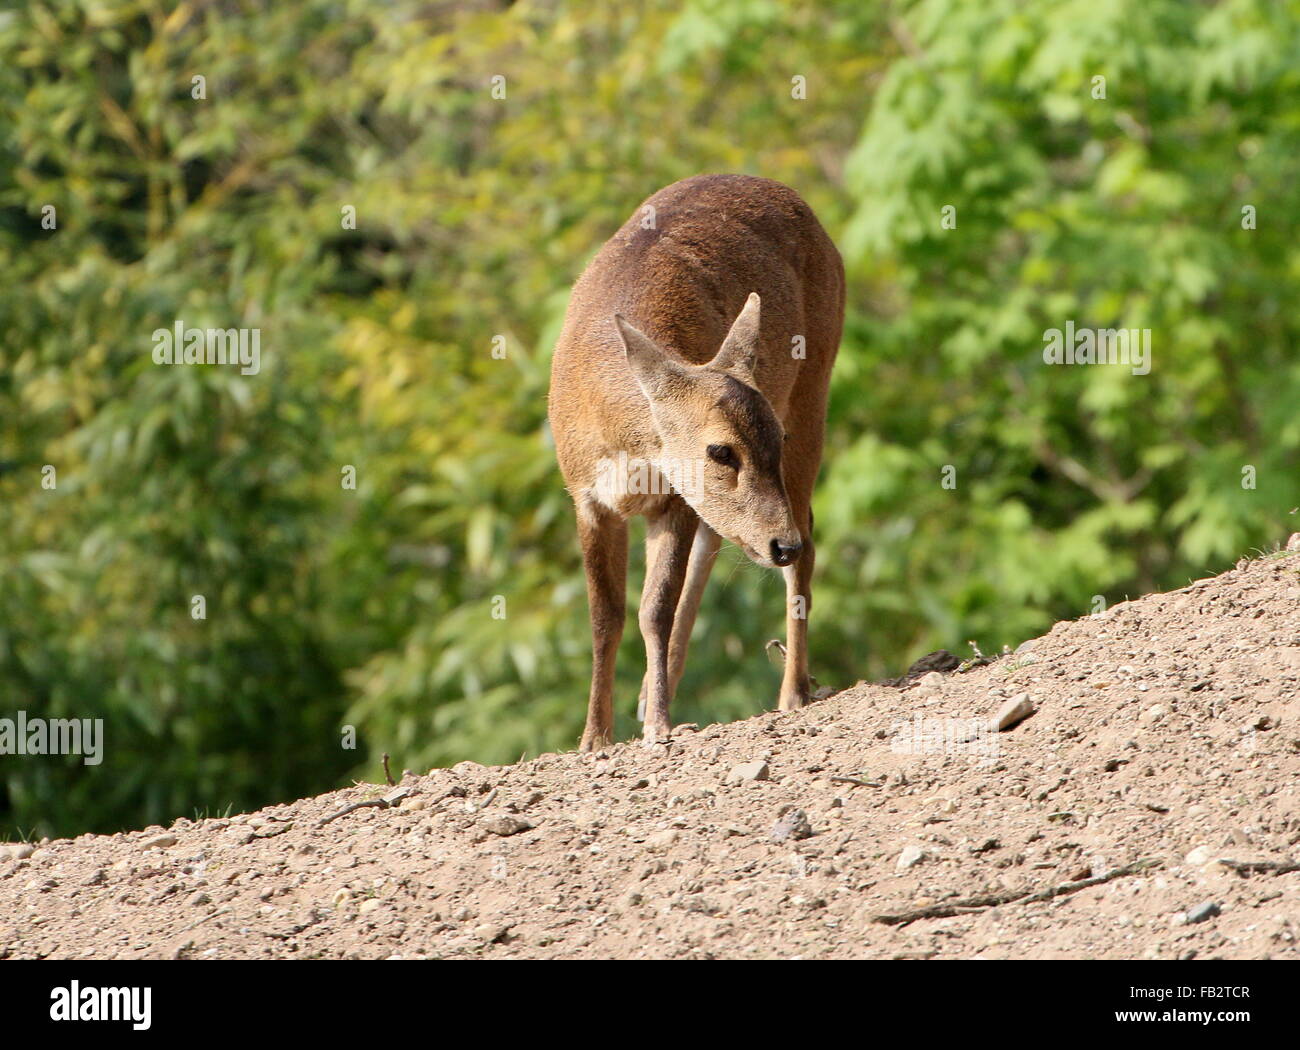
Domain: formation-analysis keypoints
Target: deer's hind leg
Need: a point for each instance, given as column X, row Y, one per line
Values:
column 801, row 461
column 796, row 685
column 604, row 556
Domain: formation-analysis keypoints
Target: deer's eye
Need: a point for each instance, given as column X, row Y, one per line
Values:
column 723, row 454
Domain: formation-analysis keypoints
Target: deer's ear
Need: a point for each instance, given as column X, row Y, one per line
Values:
column 657, row 374
column 739, row 352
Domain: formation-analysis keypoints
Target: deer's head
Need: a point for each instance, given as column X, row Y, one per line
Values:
column 720, row 440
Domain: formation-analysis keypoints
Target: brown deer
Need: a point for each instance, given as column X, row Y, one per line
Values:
column 689, row 385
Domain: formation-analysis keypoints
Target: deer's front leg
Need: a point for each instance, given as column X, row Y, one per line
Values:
column 704, row 551
column 796, row 687
column 604, row 557
column 668, row 548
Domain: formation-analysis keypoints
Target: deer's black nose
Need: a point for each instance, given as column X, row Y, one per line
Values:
column 783, row 554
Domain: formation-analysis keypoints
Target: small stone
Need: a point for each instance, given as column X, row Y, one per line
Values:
column 662, row 839
column 792, row 824
column 341, row 897
column 1200, row 855
column 507, row 825
column 930, row 682
column 1013, row 711
column 369, row 905
column 910, row 858
column 22, row 851
column 159, row 842
column 97, row 878
column 1201, row 912
column 1154, row 713
column 490, row 933
column 1293, row 543
column 747, row 771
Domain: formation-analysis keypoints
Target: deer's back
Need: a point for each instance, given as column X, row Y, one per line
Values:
column 680, row 269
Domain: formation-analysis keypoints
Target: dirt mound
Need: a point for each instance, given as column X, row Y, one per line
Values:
column 1147, row 808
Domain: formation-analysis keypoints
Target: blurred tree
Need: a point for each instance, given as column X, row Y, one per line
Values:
column 350, row 179
column 1097, row 159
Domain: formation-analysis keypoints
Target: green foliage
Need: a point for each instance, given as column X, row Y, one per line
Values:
column 1122, row 211
column 373, row 607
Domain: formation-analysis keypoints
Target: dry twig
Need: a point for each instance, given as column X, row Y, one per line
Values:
column 853, row 780
column 1259, row 867
column 386, row 802
column 969, row 904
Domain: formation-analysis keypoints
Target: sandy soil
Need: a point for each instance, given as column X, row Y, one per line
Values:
column 1165, row 740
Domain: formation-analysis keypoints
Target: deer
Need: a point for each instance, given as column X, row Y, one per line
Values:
column 689, row 385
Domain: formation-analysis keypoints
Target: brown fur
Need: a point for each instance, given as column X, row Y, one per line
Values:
column 699, row 357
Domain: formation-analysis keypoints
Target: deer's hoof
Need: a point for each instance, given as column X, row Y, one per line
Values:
column 656, row 734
